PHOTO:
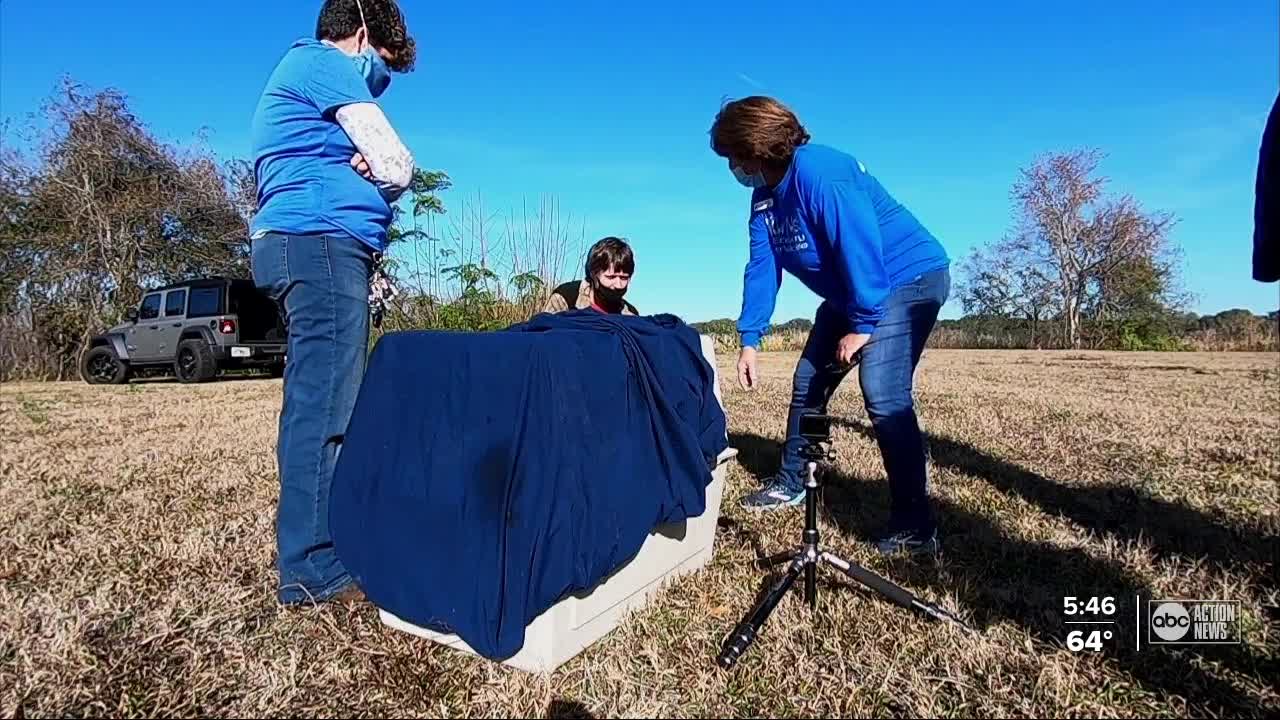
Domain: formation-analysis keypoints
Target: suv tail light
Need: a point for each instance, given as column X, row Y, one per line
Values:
column 227, row 327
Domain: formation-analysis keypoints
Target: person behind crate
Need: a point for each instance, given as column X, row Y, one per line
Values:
column 821, row 216
column 609, row 267
column 328, row 165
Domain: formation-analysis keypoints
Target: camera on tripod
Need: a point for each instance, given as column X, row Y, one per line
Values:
column 815, row 428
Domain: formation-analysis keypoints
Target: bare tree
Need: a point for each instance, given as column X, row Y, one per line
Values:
column 1009, row 280
column 244, row 189
column 101, row 209
column 540, row 250
column 477, row 270
column 1086, row 237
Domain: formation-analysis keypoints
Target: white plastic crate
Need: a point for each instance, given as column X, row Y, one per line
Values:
column 571, row 625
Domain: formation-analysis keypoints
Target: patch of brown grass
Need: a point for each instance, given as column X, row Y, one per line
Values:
column 136, row 571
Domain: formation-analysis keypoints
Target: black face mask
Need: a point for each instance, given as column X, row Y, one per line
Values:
column 612, row 296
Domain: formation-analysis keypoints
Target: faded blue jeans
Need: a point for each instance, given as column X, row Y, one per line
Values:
column 886, row 372
column 322, row 284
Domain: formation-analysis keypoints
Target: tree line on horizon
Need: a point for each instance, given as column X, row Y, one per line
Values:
column 96, row 210
column 1237, row 329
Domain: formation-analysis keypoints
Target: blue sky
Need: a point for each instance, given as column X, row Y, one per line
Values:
column 606, row 106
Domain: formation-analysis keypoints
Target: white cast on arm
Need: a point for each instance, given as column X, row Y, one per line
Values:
column 389, row 160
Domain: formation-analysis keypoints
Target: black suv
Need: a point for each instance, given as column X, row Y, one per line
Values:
column 194, row 329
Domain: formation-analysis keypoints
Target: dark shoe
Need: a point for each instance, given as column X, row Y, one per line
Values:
column 910, row 543
column 350, row 595
column 774, row 496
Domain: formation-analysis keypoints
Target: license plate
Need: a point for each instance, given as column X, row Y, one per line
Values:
column 241, row 352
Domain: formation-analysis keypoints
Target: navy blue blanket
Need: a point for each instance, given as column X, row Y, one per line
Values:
column 486, row 476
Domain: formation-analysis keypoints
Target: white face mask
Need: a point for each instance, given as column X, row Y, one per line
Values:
column 755, row 180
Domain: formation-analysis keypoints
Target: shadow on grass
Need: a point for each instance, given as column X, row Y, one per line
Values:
column 568, row 710
column 1119, row 510
column 1001, row 578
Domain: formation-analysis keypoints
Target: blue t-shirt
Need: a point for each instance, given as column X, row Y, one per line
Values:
column 302, row 157
column 831, row 225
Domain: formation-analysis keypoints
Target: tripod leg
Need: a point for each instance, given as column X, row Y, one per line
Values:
column 745, row 633
column 811, row 537
column 897, row 594
column 775, row 560
column 811, row 585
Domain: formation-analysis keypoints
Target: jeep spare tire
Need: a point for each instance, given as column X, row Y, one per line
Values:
column 101, row 366
column 194, row 362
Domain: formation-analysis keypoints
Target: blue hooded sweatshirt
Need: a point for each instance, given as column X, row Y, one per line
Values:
column 831, row 225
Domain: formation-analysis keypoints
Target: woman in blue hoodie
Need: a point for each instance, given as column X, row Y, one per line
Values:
column 818, row 214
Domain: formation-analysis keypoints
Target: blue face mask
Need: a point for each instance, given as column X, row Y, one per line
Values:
column 374, row 70
column 755, row 180
column 370, row 64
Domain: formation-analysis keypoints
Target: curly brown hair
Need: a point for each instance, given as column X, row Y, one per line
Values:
column 340, row 19
column 757, row 128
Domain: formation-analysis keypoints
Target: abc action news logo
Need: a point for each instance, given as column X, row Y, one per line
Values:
column 1194, row 622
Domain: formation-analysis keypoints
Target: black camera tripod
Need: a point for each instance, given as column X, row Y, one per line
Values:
column 806, row 559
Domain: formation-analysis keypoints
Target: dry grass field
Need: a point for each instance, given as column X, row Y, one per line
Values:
column 136, row 573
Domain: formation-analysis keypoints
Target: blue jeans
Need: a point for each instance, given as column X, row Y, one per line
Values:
column 886, row 372
column 322, row 283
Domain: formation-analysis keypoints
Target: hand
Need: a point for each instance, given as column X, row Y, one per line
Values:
column 359, row 165
column 850, row 346
column 747, row 374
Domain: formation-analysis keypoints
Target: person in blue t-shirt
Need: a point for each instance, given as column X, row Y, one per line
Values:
column 818, row 214
column 328, row 166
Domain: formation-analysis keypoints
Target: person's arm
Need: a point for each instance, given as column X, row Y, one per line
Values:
column 556, row 302
column 335, row 88
column 390, row 162
column 761, row 280
column 846, row 214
